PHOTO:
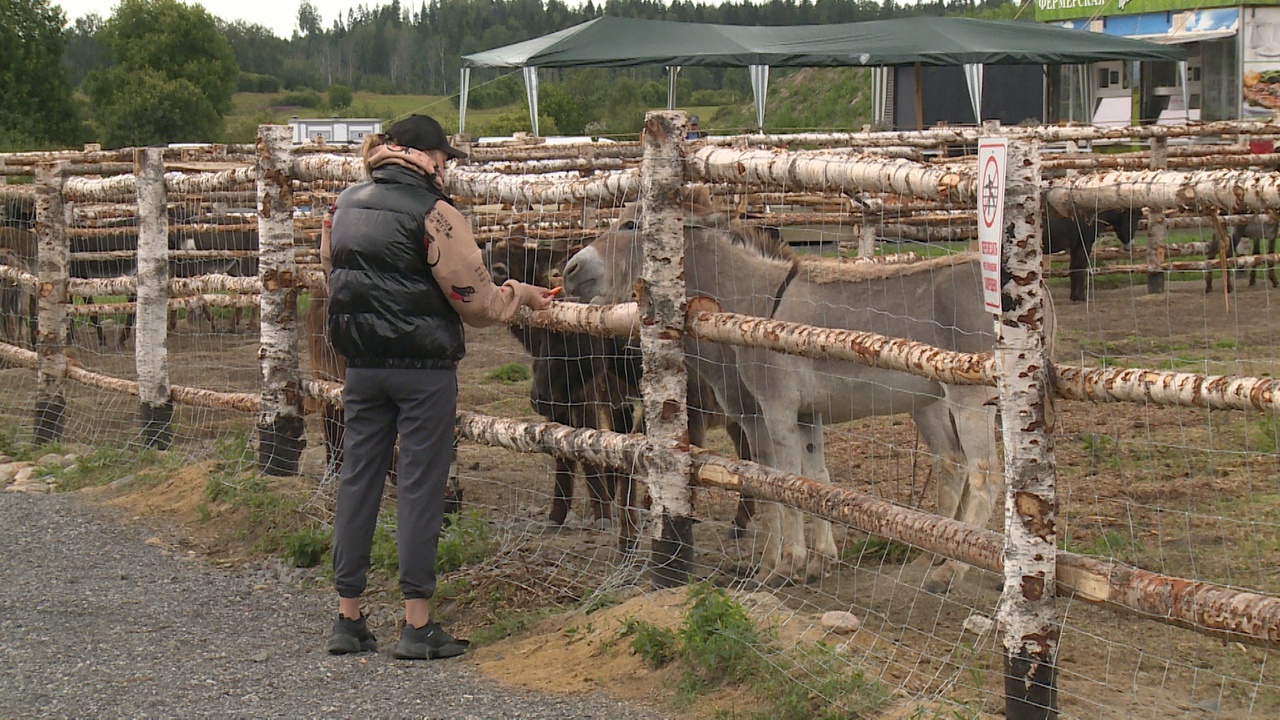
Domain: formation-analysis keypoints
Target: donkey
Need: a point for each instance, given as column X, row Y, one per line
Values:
column 1076, row 233
column 1260, row 229
column 17, row 305
column 782, row 401
column 586, row 381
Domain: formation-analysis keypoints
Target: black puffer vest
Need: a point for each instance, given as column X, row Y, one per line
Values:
column 385, row 309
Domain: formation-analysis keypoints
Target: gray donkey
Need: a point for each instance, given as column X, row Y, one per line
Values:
column 782, row 401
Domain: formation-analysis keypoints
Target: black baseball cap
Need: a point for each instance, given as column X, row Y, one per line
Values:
column 421, row 132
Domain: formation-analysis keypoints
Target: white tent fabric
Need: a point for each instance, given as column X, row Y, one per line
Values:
column 464, row 89
column 973, row 76
column 760, row 88
column 531, row 92
column 879, row 94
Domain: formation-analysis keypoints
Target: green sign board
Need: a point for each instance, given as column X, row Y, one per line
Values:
column 1073, row 9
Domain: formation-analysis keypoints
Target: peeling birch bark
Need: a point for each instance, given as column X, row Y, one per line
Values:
column 621, row 150
column 1029, row 625
column 865, row 348
column 151, row 354
column 1198, row 190
column 346, row 169
column 128, row 285
column 120, row 187
column 664, row 385
column 18, row 277
column 14, row 356
column 815, row 171
column 244, row 402
column 280, row 419
column 571, row 164
column 52, row 301
column 617, row 320
column 494, row 187
column 201, row 183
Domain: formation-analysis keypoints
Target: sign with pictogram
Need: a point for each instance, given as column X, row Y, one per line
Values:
column 991, row 166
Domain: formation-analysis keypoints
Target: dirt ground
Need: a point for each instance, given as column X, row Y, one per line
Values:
column 1191, row 493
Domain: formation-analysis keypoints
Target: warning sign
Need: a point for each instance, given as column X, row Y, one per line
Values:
column 991, row 167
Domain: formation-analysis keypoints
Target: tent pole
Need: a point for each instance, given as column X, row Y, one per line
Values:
column 919, row 97
column 464, row 88
column 673, row 72
column 531, row 92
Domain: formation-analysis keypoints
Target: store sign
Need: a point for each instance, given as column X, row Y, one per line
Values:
column 1069, row 9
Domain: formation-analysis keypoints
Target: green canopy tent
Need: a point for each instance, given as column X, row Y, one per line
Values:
column 627, row 42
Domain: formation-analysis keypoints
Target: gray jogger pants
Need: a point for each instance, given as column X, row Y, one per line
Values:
column 419, row 406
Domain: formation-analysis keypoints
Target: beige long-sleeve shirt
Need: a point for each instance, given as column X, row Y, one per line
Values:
column 458, row 268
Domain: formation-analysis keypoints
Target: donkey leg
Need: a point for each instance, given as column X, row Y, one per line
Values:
column 562, row 495
column 599, row 494
column 813, row 465
column 934, row 423
column 975, row 426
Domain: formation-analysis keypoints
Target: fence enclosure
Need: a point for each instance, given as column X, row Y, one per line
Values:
column 873, row 186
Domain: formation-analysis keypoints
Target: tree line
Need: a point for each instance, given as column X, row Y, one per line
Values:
column 164, row 71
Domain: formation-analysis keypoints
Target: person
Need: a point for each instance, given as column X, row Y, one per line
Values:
column 694, row 132
column 405, row 273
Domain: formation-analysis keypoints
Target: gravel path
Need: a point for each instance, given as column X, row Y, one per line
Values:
column 95, row 622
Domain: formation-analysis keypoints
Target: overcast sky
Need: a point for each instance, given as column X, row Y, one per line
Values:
column 280, row 16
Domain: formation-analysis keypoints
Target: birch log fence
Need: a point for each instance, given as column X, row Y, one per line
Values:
column 845, row 183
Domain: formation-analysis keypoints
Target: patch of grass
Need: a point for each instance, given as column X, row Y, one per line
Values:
column 512, row 372
column 875, row 549
column 305, row 548
column 718, row 640
column 719, row 644
column 466, row 540
column 507, row 625
column 655, row 646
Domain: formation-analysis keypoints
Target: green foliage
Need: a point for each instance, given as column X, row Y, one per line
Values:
column 36, row 109
column 875, row 549
column 718, row 638
column 466, row 540
column 655, row 646
column 500, row 92
column 512, row 372
column 510, row 123
column 257, row 83
column 303, row 98
column 340, row 96
column 173, row 76
column 305, row 548
column 145, row 107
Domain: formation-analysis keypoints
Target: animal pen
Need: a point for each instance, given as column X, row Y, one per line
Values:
column 1136, row 574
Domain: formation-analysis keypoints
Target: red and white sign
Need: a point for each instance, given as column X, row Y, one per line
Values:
column 991, row 166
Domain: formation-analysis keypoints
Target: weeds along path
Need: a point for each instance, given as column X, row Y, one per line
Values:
column 101, row 616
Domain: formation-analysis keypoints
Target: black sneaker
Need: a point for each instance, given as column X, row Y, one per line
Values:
column 429, row 642
column 351, row 636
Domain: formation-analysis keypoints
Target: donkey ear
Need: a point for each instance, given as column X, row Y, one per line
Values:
column 711, row 221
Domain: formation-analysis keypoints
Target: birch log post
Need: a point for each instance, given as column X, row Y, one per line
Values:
column 662, row 311
column 1157, row 228
column 151, row 341
column 866, row 231
column 1029, row 625
column 51, row 313
column 280, row 420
